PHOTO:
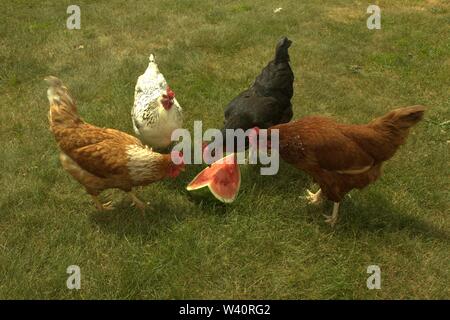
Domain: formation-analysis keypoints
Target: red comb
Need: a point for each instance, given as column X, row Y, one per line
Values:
column 170, row 93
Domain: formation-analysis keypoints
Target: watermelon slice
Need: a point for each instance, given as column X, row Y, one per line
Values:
column 223, row 178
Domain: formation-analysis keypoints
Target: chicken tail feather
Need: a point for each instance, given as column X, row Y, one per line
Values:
column 152, row 66
column 281, row 52
column 402, row 118
column 394, row 128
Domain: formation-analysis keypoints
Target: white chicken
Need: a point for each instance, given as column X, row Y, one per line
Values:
column 156, row 113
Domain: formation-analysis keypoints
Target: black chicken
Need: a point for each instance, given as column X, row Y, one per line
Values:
column 268, row 100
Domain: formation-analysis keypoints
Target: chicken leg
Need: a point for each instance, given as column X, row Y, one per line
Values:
column 137, row 202
column 334, row 216
column 102, row 206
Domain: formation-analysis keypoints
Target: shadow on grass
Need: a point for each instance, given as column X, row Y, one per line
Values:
column 372, row 214
column 164, row 212
column 288, row 180
column 376, row 214
column 358, row 215
column 125, row 220
column 251, row 181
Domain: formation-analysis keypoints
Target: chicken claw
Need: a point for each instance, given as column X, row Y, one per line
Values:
column 334, row 216
column 314, row 198
column 102, row 206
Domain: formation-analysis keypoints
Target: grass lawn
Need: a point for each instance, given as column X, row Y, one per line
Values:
column 269, row 243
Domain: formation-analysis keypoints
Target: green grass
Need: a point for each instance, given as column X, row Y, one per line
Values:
column 270, row 243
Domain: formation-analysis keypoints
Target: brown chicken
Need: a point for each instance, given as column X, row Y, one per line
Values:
column 342, row 157
column 101, row 158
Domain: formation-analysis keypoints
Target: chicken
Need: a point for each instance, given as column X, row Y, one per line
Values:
column 156, row 113
column 101, row 158
column 342, row 157
column 268, row 100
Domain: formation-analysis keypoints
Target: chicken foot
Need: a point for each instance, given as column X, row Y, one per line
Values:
column 314, row 198
column 102, row 206
column 334, row 216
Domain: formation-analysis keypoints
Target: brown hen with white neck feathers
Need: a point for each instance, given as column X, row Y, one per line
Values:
column 101, row 158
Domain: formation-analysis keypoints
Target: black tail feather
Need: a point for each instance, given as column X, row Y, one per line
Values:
column 281, row 52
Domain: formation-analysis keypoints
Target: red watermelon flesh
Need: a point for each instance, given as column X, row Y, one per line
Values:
column 223, row 179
